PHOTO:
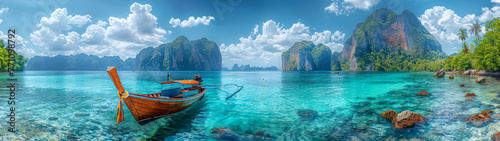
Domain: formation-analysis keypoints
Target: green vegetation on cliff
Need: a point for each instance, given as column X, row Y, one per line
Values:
column 4, row 59
column 386, row 41
column 305, row 56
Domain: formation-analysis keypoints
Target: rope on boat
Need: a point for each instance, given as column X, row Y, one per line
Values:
column 207, row 126
column 119, row 112
column 220, row 86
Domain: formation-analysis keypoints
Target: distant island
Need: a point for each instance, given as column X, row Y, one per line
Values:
column 78, row 62
column 385, row 41
column 251, row 68
column 178, row 55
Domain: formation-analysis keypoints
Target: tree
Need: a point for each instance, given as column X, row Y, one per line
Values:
column 475, row 29
column 462, row 35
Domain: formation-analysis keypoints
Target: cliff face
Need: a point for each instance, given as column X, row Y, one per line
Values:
column 305, row 56
column 385, row 30
column 181, row 54
column 77, row 62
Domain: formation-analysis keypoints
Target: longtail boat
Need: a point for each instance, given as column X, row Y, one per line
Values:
column 176, row 96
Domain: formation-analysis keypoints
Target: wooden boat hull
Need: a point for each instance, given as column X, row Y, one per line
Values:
column 146, row 108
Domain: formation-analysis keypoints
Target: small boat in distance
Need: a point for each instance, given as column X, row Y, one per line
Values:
column 175, row 96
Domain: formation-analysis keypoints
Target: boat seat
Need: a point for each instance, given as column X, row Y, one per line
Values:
column 156, row 95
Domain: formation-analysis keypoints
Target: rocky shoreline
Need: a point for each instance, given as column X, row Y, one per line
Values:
column 475, row 73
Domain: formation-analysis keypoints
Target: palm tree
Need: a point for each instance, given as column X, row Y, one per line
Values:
column 465, row 49
column 475, row 29
column 463, row 34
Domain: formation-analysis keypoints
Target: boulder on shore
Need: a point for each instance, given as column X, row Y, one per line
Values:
column 440, row 73
column 451, row 76
column 424, row 92
column 468, row 72
column 481, row 80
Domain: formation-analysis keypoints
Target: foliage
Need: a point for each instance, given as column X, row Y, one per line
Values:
column 484, row 53
column 19, row 64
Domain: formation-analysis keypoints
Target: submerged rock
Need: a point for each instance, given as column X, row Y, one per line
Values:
column 307, row 114
column 470, row 94
column 389, row 114
column 462, row 85
column 495, row 137
column 484, row 83
column 406, row 119
column 53, row 118
column 440, row 73
column 451, row 76
column 424, row 92
column 264, row 133
column 81, row 114
column 480, row 80
column 224, row 133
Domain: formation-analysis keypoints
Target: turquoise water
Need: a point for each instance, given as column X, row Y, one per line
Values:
column 348, row 106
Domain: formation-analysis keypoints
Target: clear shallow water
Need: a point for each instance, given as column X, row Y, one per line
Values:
column 348, row 106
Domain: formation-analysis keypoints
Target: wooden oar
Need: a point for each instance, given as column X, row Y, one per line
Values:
column 114, row 76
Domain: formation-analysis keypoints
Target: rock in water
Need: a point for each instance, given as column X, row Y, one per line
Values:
column 424, row 92
column 403, row 115
column 307, row 114
column 440, row 73
column 451, row 76
column 389, row 114
column 224, row 133
column 470, row 94
column 486, row 112
column 483, row 116
column 480, row 80
column 495, row 137
column 462, row 85
column 81, row 114
column 406, row 119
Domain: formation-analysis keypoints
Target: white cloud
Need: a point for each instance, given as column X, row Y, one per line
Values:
column 50, row 34
column 191, row 21
column 265, row 46
column 496, row 1
column 4, row 10
column 20, row 45
column 345, row 7
column 444, row 24
column 363, row 4
column 124, row 37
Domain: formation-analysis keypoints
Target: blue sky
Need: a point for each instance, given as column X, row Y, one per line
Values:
column 253, row 32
